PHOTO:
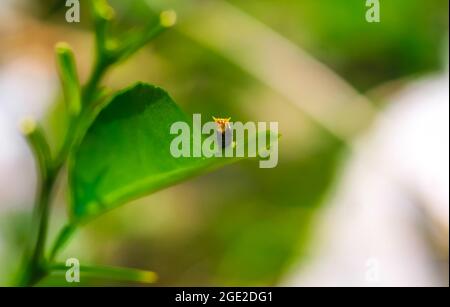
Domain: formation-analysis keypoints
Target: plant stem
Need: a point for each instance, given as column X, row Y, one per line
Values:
column 90, row 88
column 36, row 265
column 34, row 256
column 63, row 237
column 35, row 268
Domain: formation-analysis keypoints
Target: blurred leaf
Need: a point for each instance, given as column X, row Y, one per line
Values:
column 272, row 231
column 14, row 230
column 126, row 153
column 336, row 33
column 105, row 273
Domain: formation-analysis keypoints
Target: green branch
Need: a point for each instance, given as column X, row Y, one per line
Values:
column 82, row 104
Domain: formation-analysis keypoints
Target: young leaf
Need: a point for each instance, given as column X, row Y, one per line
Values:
column 69, row 78
column 126, row 154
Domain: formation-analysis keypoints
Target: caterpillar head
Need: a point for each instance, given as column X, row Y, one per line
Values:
column 222, row 123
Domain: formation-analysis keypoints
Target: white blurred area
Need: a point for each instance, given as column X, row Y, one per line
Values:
column 27, row 86
column 388, row 221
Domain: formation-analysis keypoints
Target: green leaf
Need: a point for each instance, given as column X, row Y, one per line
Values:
column 125, row 153
column 108, row 273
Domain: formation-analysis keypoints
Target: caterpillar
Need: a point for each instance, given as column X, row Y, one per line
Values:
column 224, row 132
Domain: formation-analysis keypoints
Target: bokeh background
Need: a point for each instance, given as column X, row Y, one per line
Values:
column 361, row 192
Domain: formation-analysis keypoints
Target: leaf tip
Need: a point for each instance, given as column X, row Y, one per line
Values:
column 148, row 277
column 103, row 10
column 168, row 18
column 27, row 125
column 62, row 48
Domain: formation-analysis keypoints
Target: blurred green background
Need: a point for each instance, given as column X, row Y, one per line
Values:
column 240, row 225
